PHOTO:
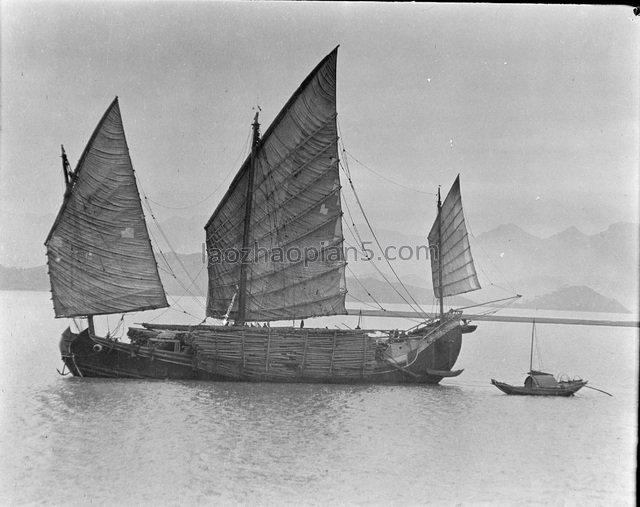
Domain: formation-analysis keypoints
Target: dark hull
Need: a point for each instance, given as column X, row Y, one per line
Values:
column 413, row 360
column 565, row 389
column 92, row 356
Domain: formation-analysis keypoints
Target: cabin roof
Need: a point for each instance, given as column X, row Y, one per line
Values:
column 542, row 379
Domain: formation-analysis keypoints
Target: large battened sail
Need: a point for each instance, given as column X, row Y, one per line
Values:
column 284, row 247
column 99, row 254
column 449, row 245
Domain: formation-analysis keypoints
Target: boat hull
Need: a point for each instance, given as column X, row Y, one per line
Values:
column 565, row 389
column 91, row 356
column 206, row 355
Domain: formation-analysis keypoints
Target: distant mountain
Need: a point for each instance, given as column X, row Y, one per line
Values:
column 367, row 289
column 507, row 237
column 508, row 260
column 576, row 298
column 607, row 262
column 538, row 285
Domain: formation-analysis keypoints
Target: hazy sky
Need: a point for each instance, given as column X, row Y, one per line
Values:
column 537, row 107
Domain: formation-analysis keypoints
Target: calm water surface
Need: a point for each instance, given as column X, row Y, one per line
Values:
column 68, row 441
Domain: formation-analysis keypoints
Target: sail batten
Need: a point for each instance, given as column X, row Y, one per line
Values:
column 451, row 260
column 322, row 252
column 294, row 209
column 98, row 251
column 298, row 148
column 273, row 311
column 282, row 208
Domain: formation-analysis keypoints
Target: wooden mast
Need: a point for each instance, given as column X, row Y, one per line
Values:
column 69, row 176
column 533, row 331
column 66, row 169
column 91, row 327
column 440, row 254
column 242, row 291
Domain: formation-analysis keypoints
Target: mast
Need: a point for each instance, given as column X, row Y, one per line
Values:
column 242, row 296
column 66, row 169
column 533, row 331
column 440, row 254
column 68, row 179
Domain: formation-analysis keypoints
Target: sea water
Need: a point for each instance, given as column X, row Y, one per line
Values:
column 72, row 441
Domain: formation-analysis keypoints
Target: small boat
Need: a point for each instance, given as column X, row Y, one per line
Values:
column 468, row 328
column 540, row 383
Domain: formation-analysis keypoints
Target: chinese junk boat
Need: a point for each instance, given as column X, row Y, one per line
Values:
column 539, row 383
column 285, row 197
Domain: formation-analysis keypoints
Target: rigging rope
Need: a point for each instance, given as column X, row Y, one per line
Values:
column 243, row 153
column 497, row 308
column 365, row 289
column 363, row 302
column 535, row 334
column 117, row 330
column 355, row 232
column 387, row 280
column 489, row 302
column 358, row 238
column 170, row 271
column 185, row 207
column 344, row 165
column 176, row 301
column 192, row 280
column 511, row 288
column 387, row 179
column 345, row 169
column 170, row 308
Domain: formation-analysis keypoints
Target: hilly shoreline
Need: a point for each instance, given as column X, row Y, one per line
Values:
column 569, row 270
column 367, row 290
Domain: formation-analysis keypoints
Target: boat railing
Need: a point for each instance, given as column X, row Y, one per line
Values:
column 446, row 321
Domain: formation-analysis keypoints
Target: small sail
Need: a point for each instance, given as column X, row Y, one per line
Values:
column 449, row 244
column 294, row 260
column 98, row 251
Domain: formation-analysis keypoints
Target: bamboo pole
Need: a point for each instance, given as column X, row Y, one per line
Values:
column 289, row 354
column 304, row 352
column 244, row 358
column 266, row 364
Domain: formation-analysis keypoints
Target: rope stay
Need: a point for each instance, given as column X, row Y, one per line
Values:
column 166, row 239
column 242, row 154
column 170, row 271
column 344, row 150
column 497, row 269
column 367, row 257
column 413, row 302
column 366, row 290
column 345, row 167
